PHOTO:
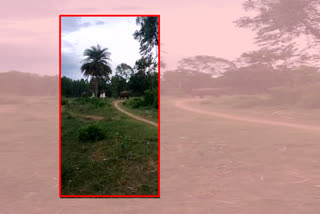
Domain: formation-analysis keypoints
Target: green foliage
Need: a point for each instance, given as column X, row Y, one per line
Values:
column 135, row 102
column 96, row 64
column 126, row 157
column 64, row 101
column 148, row 98
column 91, row 133
column 74, row 88
column 148, row 34
column 85, row 94
column 155, row 103
column 96, row 102
column 118, row 84
column 124, row 70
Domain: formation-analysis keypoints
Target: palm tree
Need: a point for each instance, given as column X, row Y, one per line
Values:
column 96, row 64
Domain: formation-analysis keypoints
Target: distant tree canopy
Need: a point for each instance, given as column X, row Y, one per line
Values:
column 74, row 88
column 285, row 23
column 282, row 20
column 288, row 36
column 140, row 80
column 27, row 84
column 148, row 36
column 206, row 64
column 272, row 57
column 124, row 70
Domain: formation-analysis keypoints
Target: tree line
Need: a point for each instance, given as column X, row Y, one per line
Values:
column 137, row 84
column 141, row 79
column 281, row 60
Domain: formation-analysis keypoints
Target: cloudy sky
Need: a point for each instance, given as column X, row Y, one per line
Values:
column 30, row 33
column 80, row 33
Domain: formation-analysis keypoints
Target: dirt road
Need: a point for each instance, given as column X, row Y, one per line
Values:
column 220, row 163
column 208, row 165
column 116, row 105
column 183, row 104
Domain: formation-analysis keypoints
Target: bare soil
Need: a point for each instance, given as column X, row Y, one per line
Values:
column 208, row 165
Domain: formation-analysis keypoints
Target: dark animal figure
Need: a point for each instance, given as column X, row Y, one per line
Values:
column 124, row 94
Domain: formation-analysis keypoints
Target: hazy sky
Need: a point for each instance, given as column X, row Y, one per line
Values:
column 30, row 33
column 80, row 33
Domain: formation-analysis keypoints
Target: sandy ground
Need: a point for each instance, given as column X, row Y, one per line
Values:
column 186, row 104
column 208, row 165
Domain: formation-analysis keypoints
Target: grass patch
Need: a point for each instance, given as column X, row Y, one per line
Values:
column 147, row 112
column 91, row 133
column 124, row 162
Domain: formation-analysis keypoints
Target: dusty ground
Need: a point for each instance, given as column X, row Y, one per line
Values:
column 208, row 165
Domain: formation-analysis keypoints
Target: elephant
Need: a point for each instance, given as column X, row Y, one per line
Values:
column 124, row 94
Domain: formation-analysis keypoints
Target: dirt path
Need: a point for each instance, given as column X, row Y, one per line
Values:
column 132, row 115
column 183, row 104
column 208, row 165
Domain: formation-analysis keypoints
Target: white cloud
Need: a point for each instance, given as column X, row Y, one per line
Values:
column 116, row 34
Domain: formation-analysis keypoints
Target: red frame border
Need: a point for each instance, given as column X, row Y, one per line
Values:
column 108, row 196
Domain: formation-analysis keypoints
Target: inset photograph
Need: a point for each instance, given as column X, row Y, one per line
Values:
column 109, row 106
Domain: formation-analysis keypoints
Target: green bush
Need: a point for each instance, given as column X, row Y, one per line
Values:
column 136, row 102
column 64, row 101
column 97, row 102
column 91, row 133
column 155, row 103
column 148, row 97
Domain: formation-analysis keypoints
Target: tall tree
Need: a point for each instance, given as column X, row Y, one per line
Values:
column 273, row 57
column 206, row 64
column 96, row 64
column 124, row 70
column 118, row 84
column 280, row 23
column 148, row 36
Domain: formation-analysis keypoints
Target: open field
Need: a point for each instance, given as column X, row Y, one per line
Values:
column 208, row 164
column 255, row 106
column 125, row 162
column 237, row 166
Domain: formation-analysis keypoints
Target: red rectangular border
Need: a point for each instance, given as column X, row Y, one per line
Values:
column 108, row 196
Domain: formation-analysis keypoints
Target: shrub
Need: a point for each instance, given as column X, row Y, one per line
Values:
column 136, row 102
column 155, row 103
column 97, row 102
column 64, row 101
column 91, row 133
column 155, row 95
column 148, row 97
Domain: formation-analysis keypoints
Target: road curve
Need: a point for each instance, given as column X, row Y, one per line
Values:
column 132, row 115
column 182, row 104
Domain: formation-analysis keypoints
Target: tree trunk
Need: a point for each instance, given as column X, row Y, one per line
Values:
column 96, row 87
